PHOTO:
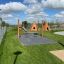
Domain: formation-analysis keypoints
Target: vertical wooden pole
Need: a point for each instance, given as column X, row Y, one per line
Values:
column 42, row 29
column 18, row 29
column 38, row 26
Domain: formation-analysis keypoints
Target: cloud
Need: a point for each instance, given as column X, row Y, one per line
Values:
column 12, row 6
column 30, row 1
column 59, row 15
column 62, row 13
column 9, row 19
column 37, row 16
column 32, row 19
column 34, row 9
column 42, row 14
column 6, row 16
column 59, row 4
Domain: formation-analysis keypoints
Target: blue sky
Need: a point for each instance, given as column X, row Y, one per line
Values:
column 31, row 10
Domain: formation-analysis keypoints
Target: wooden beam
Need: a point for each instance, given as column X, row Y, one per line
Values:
column 18, row 29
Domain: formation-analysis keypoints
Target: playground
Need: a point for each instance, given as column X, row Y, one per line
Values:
column 33, row 37
column 31, row 31
column 32, row 54
column 35, row 47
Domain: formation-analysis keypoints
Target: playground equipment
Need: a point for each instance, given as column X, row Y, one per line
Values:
column 45, row 26
column 32, row 36
column 19, row 28
column 33, row 28
column 24, row 29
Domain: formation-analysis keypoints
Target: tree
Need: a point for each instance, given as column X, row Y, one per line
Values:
column 25, row 24
column 0, row 21
column 58, row 24
column 3, row 23
column 7, row 25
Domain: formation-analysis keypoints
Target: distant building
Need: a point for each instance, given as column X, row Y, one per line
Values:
column 59, row 26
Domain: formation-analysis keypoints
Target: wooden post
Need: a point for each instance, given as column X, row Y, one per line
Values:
column 18, row 29
column 42, row 29
column 38, row 26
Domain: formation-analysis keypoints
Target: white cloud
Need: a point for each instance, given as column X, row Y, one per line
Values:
column 32, row 19
column 53, row 4
column 62, row 13
column 11, row 19
column 34, row 9
column 37, row 16
column 42, row 14
column 12, row 6
column 30, row 1
column 59, row 15
column 5, row 16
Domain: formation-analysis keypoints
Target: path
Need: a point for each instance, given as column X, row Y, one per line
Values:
column 2, row 32
column 59, row 33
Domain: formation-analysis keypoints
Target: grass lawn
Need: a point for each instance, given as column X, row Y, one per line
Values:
column 56, row 37
column 35, row 54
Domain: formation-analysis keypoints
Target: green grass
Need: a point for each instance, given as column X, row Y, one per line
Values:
column 53, row 36
column 10, row 45
column 34, row 54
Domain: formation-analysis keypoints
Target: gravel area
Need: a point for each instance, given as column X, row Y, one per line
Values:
column 31, row 39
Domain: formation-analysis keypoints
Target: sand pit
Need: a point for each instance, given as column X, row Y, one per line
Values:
column 59, row 54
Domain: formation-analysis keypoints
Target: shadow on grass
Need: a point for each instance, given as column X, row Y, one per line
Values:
column 61, row 43
column 17, row 53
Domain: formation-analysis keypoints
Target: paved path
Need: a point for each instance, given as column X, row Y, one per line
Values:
column 59, row 33
column 31, row 39
column 2, row 32
column 59, row 54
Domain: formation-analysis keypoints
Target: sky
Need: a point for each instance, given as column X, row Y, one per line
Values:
column 32, row 10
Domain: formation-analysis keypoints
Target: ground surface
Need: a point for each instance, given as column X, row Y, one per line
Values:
column 2, row 32
column 59, row 54
column 31, row 39
column 60, row 33
column 34, row 54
